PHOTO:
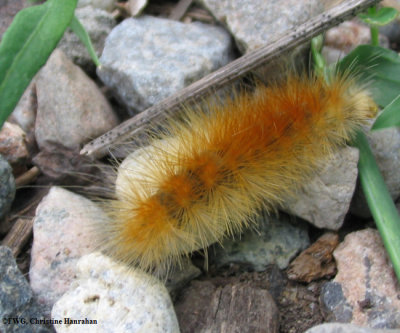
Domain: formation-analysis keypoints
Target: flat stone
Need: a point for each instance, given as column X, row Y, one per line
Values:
column 147, row 59
column 119, row 298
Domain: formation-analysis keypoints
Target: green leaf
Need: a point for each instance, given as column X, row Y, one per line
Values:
column 376, row 67
column 80, row 31
column 319, row 61
column 390, row 115
column 379, row 18
column 26, row 45
column 379, row 201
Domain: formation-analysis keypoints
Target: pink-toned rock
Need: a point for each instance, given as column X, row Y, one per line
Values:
column 61, row 235
column 71, row 108
column 365, row 291
column 13, row 146
column 347, row 35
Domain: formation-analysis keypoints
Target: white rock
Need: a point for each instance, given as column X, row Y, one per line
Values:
column 61, row 235
column 119, row 298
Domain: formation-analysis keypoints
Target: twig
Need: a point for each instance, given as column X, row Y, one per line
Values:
column 19, row 234
column 200, row 14
column 180, row 9
column 228, row 74
column 27, row 177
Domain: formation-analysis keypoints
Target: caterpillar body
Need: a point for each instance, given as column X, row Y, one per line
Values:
column 212, row 172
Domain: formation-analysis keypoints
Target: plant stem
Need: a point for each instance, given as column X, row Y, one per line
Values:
column 319, row 61
column 374, row 35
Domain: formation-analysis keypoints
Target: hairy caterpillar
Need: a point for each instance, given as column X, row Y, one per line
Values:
column 207, row 177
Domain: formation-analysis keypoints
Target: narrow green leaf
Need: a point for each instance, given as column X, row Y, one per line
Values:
column 80, row 31
column 390, row 115
column 378, row 68
column 380, row 18
column 379, row 201
column 26, row 45
column 319, row 61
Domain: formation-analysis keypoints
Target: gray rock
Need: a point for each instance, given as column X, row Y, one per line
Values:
column 147, row 59
column 119, row 298
column 345, row 328
column 365, row 291
column 7, row 191
column 391, row 30
column 276, row 241
column 61, row 235
column 257, row 22
column 385, row 145
column 335, row 304
column 98, row 24
column 16, row 299
column 325, row 200
column 71, row 108
column 182, row 275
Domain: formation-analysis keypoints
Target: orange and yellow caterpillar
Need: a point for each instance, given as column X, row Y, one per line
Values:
column 214, row 170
